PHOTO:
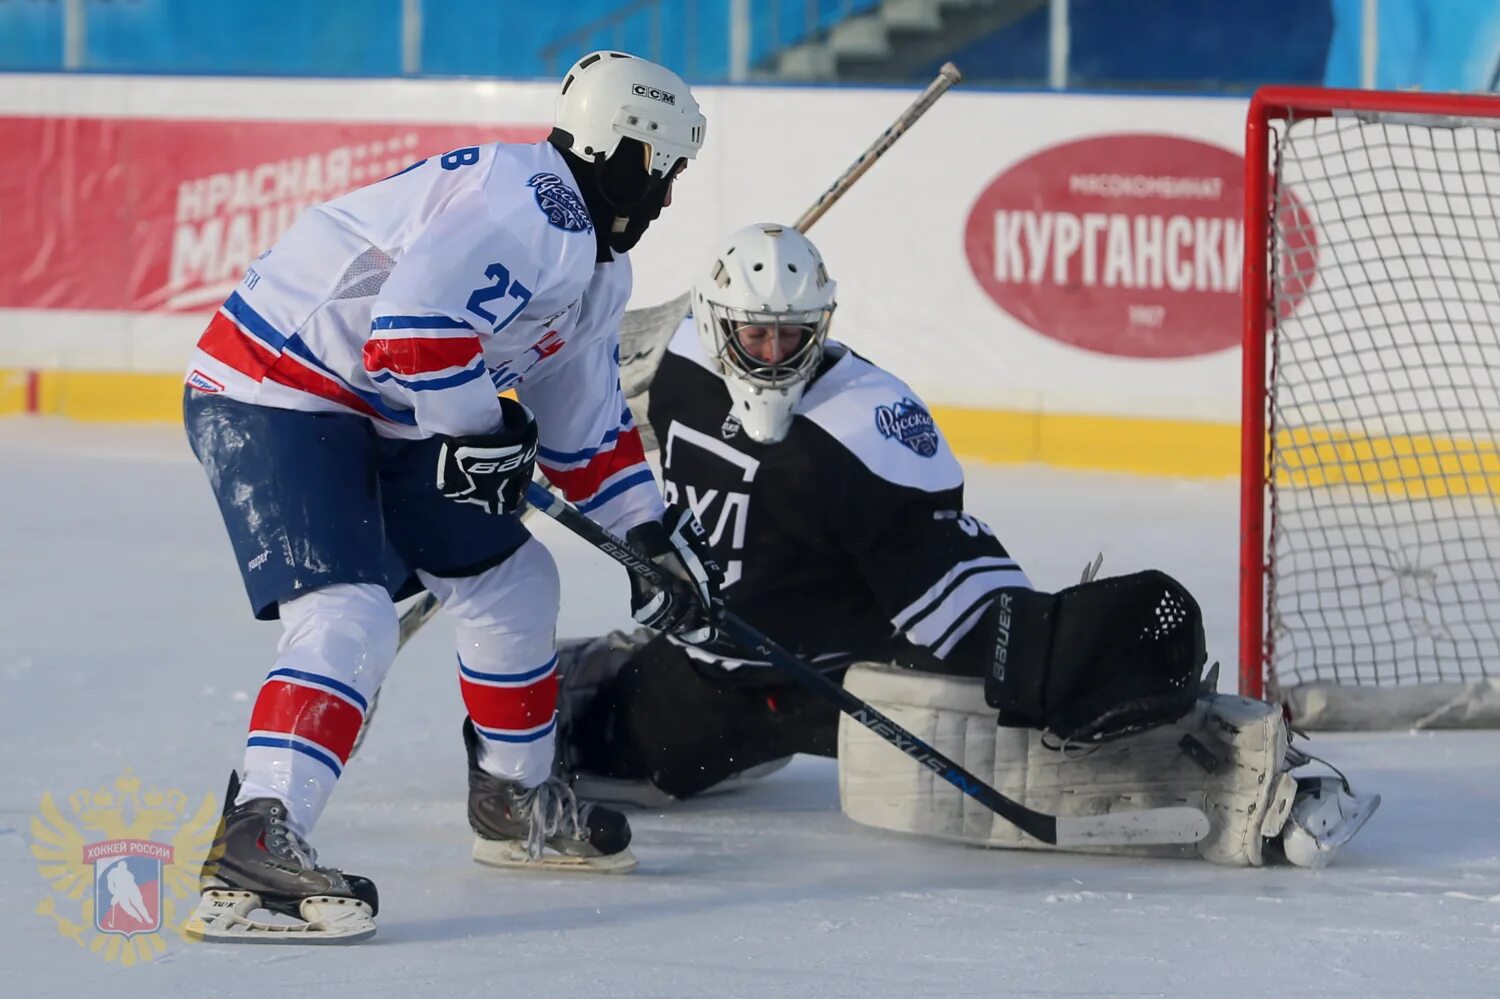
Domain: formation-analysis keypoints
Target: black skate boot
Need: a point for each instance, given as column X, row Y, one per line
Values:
column 259, row 862
column 542, row 827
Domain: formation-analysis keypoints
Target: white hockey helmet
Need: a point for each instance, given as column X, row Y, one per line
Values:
column 607, row 96
column 762, row 311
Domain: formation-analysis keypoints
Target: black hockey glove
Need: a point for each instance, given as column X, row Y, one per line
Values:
column 491, row 470
column 689, row 608
column 1101, row 660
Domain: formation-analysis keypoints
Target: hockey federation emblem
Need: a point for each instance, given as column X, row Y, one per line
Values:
column 908, row 422
column 561, row 204
column 729, row 427
column 127, row 884
column 124, row 860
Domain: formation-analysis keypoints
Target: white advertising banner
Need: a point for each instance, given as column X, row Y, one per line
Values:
column 1018, row 252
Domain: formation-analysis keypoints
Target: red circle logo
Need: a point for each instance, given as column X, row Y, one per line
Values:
column 1125, row 244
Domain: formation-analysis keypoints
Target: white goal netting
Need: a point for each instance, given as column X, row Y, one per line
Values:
column 1383, row 592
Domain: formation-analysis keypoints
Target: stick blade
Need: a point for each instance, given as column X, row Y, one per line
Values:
column 1149, row 826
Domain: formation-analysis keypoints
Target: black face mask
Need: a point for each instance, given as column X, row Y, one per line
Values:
column 637, row 217
column 622, row 197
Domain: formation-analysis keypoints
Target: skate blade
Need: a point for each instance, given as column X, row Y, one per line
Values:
column 512, row 853
column 1358, row 809
column 1361, row 807
column 223, row 916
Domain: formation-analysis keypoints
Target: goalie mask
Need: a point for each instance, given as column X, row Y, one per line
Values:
column 629, row 126
column 762, row 311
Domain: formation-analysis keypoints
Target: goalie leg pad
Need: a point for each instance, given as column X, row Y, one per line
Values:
column 1225, row 756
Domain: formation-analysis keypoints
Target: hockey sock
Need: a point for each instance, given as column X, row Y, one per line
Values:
column 336, row 647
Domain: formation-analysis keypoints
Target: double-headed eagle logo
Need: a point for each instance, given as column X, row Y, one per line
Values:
column 122, row 860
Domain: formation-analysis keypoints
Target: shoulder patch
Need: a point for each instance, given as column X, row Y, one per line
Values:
column 562, row 205
column 909, row 423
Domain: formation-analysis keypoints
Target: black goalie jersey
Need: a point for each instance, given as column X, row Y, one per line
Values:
column 848, row 538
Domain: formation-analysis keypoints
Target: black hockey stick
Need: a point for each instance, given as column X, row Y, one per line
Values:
column 1177, row 824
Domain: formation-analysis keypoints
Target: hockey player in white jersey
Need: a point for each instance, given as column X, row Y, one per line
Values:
column 836, row 507
column 344, row 405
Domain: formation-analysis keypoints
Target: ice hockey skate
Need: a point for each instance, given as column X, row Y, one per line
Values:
column 1325, row 814
column 544, row 827
column 259, row 863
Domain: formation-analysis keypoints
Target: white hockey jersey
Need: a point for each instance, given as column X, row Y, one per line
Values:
column 412, row 301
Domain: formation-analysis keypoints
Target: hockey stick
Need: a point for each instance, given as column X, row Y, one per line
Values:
column 941, row 84
column 644, row 332
column 1176, row 824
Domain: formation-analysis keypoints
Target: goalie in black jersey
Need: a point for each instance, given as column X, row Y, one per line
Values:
column 835, row 508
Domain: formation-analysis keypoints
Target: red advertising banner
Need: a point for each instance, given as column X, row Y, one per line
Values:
column 146, row 214
column 1126, row 244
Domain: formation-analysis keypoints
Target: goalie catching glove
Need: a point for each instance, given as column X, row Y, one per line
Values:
column 1094, row 662
column 690, row 607
column 491, row 470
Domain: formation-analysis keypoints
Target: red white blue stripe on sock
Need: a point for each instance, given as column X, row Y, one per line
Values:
column 512, row 706
column 314, row 715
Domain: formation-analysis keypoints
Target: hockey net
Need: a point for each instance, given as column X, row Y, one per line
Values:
column 1370, row 562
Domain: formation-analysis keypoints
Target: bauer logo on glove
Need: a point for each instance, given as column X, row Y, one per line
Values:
column 491, row 470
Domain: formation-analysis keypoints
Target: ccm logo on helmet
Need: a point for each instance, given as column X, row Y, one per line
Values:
column 665, row 96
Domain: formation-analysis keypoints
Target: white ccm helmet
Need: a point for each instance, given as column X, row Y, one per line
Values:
column 609, row 97
column 766, row 281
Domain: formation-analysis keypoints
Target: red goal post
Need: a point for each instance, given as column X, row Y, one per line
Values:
column 1370, row 536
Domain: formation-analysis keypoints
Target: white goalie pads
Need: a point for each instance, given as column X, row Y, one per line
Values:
column 1228, row 757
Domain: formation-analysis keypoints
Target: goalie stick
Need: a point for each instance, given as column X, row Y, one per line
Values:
column 1176, row 824
column 644, row 332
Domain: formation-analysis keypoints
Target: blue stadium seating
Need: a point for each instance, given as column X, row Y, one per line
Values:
column 1186, row 44
column 363, row 37
column 1166, row 44
column 31, row 35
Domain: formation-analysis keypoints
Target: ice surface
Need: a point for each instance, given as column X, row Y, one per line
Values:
column 127, row 643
